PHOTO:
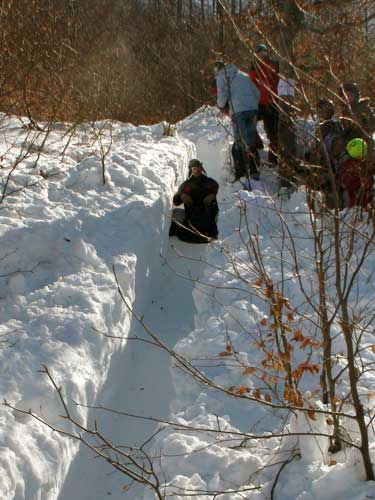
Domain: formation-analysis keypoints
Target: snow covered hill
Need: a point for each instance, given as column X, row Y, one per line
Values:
column 59, row 242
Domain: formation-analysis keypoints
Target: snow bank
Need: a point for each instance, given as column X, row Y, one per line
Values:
column 59, row 240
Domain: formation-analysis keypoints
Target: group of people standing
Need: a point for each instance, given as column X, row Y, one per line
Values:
column 339, row 161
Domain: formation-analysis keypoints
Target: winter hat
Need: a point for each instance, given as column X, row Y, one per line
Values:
column 260, row 48
column 219, row 65
column 357, row 149
column 195, row 163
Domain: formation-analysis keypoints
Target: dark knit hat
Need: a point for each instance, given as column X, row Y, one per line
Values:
column 219, row 65
column 195, row 163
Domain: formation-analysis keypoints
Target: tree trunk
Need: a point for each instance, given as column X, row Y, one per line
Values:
column 353, row 371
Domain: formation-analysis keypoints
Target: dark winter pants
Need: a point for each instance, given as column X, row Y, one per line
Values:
column 244, row 131
column 270, row 116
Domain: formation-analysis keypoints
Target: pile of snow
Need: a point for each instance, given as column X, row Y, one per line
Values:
column 60, row 238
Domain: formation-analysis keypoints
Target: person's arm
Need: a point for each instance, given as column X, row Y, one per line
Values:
column 255, row 92
column 222, row 92
column 183, row 195
column 253, row 75
column 177, row 197
column 275, row 74
column 212, row 187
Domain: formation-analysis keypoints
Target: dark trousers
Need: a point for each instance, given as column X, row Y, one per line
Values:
column 244, row 147
column 269, row 114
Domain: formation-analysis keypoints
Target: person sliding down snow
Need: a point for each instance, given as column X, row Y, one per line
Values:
column 198, row 194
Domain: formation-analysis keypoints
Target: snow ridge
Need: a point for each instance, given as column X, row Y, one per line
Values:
column 59, row 240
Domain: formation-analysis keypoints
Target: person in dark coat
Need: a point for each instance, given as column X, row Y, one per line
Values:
column 265, row 74
column 358, row 117
column 327, row 150
column 331, row 132
column 198, row 194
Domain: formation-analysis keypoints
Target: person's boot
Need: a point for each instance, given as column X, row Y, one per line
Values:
column 252, row 161
column 272, row 153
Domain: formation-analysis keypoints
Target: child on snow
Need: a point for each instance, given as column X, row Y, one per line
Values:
column 198, row 194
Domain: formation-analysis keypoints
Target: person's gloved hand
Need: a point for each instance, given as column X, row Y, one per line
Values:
column 209, row 199
column 186, row 199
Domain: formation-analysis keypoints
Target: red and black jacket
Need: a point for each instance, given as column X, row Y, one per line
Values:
column 355, row 178
column 197, row 188
column 265, row 75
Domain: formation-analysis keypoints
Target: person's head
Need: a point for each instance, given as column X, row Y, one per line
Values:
column 325, row 109
column 218, row 66
column 195, row 168
column 261, row 51
column 357, row 149
column 349, row 92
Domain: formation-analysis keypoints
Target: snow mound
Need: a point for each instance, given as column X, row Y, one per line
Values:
column 60, row 238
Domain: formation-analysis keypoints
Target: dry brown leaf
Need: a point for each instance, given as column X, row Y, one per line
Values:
column 225, row 353
column 249, row 370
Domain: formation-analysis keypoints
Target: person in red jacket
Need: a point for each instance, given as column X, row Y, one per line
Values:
column 265, row 74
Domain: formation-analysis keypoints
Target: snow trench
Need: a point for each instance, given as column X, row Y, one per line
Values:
column 168, row 306
column 59, row 241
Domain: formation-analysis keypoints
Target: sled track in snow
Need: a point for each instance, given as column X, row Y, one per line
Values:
column 139, row 381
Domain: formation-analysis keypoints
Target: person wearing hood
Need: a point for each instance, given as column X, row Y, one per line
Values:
column 240, row 96
column 358, row 117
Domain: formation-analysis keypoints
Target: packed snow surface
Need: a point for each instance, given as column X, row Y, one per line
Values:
column 62, row 240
